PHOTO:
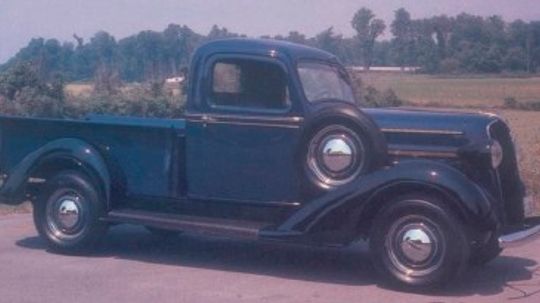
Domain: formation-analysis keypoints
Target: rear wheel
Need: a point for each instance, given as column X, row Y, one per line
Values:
column 416, row 241
column 67, row 213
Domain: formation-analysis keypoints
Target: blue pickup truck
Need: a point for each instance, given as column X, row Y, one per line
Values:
column 273, row 147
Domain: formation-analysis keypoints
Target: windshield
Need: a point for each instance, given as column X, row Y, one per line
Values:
column 324, row 81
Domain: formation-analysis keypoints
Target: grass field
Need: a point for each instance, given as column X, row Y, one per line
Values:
column 456, row 92
column 486, row 94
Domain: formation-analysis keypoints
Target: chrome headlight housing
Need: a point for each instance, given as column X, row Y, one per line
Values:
column 497, row 154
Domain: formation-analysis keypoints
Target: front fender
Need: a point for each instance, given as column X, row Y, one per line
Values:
column 472, row 200
column 84, row 154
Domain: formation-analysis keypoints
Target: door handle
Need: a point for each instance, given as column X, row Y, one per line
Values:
column 207, row 119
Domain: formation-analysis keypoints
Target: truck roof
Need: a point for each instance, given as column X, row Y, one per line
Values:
column 264, row 46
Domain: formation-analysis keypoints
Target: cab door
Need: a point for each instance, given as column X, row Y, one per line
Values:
column 242, row 141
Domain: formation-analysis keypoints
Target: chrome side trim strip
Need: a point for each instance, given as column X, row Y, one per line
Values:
column 294, row 119
column 261, row 121
column 246, row 202
column 422, row 131
column 246, row 123
column 420, row 154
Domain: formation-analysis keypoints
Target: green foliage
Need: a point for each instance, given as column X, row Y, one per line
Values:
column 512, row 103
column 137, row 101
column 375, row 98
column 24, row 93
column 368, row 29
column 370, row 97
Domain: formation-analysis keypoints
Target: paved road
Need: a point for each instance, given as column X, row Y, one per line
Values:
column 133, row 266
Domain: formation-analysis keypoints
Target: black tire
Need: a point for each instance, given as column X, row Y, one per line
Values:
column 67, row 213
column 487, row 252
column 436, row 250
column 162, row 233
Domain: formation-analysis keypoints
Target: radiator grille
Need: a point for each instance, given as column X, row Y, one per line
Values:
column 512, row 191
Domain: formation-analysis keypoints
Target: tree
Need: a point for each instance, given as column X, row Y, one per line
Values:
column 402, row 30
column 220, row 33
column 23, row 92
column 296, row 37
column 328, row 41
column 368, row 29
column 442, row 26
column 106, row 70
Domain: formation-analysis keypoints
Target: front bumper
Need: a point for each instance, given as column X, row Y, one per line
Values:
column 525, row 233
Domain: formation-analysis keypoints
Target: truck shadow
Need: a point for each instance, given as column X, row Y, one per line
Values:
column 348, row 266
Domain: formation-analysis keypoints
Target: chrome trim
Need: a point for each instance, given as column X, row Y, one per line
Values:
column 65, row 216
column 68, row 213
column 519, row 238
column 317, row 160
column 420, row 154
column 337, row 154
column 248, row 123
column 261, row 121
column 422, row 131
column 416, row 244
column 488, row 128
column 243, row 117
column 36, row 180
column 3, row 179
column 247, row 202
column 497, row 154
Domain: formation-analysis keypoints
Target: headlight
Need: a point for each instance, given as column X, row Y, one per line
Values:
column 497, row 154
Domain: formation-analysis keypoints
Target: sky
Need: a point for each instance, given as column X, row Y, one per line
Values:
column 21, row 20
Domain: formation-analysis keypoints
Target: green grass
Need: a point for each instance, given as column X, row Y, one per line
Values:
column 455, row 91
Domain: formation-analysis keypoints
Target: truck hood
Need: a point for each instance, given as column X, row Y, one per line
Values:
column 433, row 133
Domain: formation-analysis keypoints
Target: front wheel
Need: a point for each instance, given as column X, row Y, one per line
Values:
column 417, row 242
column 67, row 213
column 487, row 252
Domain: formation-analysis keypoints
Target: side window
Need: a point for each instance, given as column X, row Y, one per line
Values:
column 249, row 83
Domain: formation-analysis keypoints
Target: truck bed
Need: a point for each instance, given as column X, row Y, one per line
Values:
column 146, row 152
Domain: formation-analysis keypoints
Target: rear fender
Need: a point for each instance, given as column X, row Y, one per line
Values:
column 76, row 151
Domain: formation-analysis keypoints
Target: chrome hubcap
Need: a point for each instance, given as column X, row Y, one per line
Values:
column 65, row 215
column 415, row 246
column 68, row 213
column 336, row 155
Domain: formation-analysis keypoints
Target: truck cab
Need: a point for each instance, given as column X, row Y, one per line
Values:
column 273, row 146
column 248, row 114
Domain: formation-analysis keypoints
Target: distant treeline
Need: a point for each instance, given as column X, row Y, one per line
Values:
column 441, row 44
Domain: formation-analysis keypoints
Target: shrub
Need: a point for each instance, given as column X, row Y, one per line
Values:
column 138, row 101
column 23, row 93
column 511, row 102
column 449, row 66
column 370, row 97
column 374, row 98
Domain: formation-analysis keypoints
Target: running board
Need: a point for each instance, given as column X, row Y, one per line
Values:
column 200, row 225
